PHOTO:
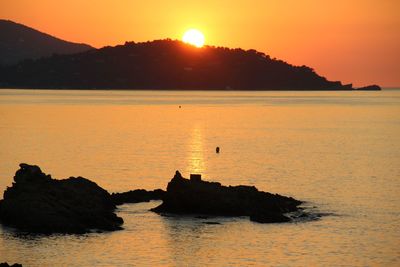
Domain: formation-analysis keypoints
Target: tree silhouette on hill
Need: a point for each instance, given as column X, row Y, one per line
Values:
column 164, row 64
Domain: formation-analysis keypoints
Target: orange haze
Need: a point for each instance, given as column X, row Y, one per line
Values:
column 352, row 41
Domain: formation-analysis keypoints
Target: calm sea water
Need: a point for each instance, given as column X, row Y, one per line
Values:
column 339, row 151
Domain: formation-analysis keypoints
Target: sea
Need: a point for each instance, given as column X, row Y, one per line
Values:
column 337, row 151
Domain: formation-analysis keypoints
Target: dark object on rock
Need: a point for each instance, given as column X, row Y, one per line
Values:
column 370, row 88
column 185, row 196
column 217, row 150
column 195, row 177
column 37, row 203
column 136, row 196
column 5, row 264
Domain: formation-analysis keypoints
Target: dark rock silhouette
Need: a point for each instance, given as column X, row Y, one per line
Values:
column 136, row 196
column 164, row 64
column 195, row 177
column 5, row 264
column 370, row 88
column 195, row 196
column 37, row 203
column 19, row 42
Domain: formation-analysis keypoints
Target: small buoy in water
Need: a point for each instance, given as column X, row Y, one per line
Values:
column 217, row 149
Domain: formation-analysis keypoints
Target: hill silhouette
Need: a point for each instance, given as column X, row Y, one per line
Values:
column 165, row 64
column 18, row 42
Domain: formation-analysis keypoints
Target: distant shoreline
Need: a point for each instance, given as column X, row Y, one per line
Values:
column 167, row 65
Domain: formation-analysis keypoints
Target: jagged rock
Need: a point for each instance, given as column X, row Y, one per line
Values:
column 136, row 196
column 37, row 203
column 195, row 196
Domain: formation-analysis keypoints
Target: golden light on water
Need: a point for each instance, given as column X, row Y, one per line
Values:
column 194, row 37
column 196, row 157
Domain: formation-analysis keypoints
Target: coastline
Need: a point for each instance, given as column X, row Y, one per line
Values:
column 194, row 90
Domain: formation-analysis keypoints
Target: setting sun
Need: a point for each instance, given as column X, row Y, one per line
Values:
column 194, row 37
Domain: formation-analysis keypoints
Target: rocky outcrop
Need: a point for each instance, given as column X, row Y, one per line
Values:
column 136, row 196
column 195, row 196
column 370, row 88
column 37, row 203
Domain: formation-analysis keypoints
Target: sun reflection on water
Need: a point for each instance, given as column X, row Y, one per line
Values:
column 195, row 157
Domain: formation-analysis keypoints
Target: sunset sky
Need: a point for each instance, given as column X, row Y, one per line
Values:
column 353, row 41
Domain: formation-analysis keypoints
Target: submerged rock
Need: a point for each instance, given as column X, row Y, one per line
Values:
column 136, row 196
column 37, row 203
column 195, row 196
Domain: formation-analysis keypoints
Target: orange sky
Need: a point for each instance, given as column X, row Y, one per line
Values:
column 353, row 41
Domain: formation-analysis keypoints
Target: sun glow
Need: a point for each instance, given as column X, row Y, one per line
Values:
column 194, row 37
